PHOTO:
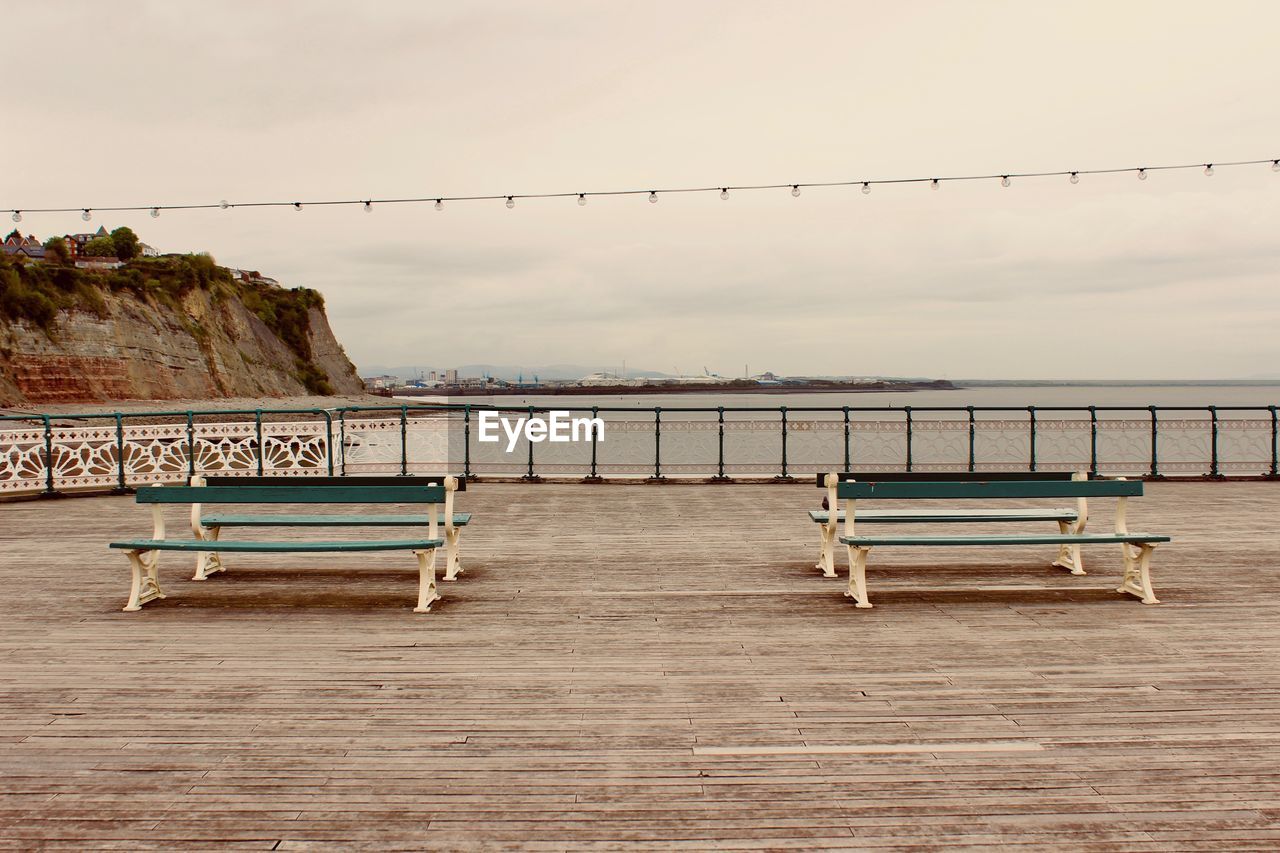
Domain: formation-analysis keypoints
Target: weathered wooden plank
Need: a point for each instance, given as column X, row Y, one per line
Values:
column 659, row 666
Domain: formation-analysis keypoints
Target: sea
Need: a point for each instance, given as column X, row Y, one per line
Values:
column 690, row 437
column 1136, row 396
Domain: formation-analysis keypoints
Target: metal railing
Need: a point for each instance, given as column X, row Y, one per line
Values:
column 51, row 453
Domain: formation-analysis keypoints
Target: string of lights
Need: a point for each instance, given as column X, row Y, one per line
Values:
column 367, row 204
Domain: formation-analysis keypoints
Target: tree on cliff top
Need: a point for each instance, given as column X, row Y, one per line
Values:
column 100, row 247
column 56, row 251
column 125, row 243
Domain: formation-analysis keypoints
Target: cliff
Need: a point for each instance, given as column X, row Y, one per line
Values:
column 161, row 328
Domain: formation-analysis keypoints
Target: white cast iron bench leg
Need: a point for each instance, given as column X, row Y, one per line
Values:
column 1069, row 555
column 826, row 555
column 858, row 576
column 208, row 562
column 146, row 582
column 1137, row 559
column 426, row 580
column 1137, row 572
column 453, row 563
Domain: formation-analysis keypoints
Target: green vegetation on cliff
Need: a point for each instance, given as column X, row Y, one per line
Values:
column 36, row 292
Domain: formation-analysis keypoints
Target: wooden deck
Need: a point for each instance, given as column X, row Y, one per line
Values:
column 651, row 664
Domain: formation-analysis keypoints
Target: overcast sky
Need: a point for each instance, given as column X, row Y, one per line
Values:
column 1176, row 276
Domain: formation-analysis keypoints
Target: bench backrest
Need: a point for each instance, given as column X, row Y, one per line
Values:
column 944, row 476
column 989, row 489
column 348, row 480
column 436, row 497
column 293, row 494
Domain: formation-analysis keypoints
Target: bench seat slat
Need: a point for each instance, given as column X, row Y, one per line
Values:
column 302, row 546
column 292, row 495
column 944, row 476
column 912, row 516
column 1029, row 539
column 460, row 519
column 989, row 489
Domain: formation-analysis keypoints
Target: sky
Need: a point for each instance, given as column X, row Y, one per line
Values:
column 1173, row 277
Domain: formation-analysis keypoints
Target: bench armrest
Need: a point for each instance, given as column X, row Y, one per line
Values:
column 833, row 506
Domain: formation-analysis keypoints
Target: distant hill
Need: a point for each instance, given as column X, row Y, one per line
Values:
column 506, row 371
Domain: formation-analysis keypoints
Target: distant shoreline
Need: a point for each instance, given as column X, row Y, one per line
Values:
column 675, row 388
column 1114, row 383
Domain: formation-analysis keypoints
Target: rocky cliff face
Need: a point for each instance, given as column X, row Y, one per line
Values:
column 201, row 343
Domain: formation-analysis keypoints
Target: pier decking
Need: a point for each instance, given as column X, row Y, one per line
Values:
column 651, row 664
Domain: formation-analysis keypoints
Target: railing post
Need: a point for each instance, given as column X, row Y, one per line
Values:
column 1093, row 440
column 1213, row 441
column 1275, row 455
column 1031, row 413
column 466, row 440
column 120, row 478
column 848, row 465
column 657, row 442
column 720, row 455
column 404, row 440
column 257, row 420
column 335, row 457
column 1155, row 442
column 48, row 456
column 191, row 447
column 342, row 441
column 783, row 410
column 907, row 409
column 328, row 439
column 529, row 475
column 972, row 459
column 594, row 475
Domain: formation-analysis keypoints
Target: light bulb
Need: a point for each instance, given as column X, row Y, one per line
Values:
column 724, row 194
column 653, row 197
column 1208, row 170
column 1004, row 181
column 17, row 216
column 933, row 184
column 368, row 207
column 582, row 199
column 1075, row 177
column 795, row 191
column 511, row 202
column 86, row 216
column 1275, row 165
column 224, row 204
column 155, row 213
column 866, row 188
column 297, row 205
column 1142, row 174
column 439, row 204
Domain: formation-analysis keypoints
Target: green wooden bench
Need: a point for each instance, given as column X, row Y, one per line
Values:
column 144, row 554
column 210, row 526
column 1068, row 519
column 1136, row 548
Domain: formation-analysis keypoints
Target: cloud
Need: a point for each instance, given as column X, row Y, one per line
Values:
column 143, row 103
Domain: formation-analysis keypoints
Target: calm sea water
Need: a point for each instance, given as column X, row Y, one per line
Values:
column 1138, row 396
column 753, row 443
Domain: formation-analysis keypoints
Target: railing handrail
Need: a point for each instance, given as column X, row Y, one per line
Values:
column 342, row 411
column 190, row 423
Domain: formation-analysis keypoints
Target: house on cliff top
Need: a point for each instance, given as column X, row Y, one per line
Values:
column 28, row 247
column 79, row 241
column 23, row 247
column 251, row 276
